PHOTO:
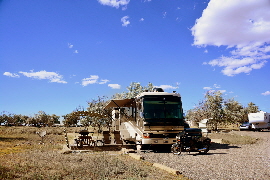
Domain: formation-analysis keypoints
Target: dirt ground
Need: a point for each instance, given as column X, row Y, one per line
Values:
column 23, row 155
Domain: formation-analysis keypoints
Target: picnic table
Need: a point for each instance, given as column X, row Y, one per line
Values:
column 84, row 139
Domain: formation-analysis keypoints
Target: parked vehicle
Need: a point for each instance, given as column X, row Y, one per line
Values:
column 245, row 126
column 191, row 140
column 260, row 120
column 150, row 119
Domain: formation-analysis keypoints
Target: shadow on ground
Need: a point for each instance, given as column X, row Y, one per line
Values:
column 10, row 139
column 215, row 146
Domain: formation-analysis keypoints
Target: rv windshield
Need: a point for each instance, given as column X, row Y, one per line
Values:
column 162, row 107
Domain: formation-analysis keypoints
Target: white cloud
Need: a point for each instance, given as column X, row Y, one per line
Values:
column 104, row 81
column 164, row 14
column 115, row 3
column 114, row 86
column 233, row 65
column 242, row 26
column 222, row 91
column 266, row 93
column 212, row 91
column 51, row 76
column 92, row 80
column 76, row 51
column 141, row 19
column 70, row 45
column 207, row 88
column 167, row 87
column 215, row 86
column 11, row 74
column 125, row 21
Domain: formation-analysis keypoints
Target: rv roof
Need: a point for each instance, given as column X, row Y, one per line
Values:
column 158, row 93
column 131, row 103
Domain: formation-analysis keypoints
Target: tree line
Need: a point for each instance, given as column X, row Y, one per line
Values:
column 214, row 106
column 220, row 111
column 38, row 120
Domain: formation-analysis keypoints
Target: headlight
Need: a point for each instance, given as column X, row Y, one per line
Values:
column 146, row 135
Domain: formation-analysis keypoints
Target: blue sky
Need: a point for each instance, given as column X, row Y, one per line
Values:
column 56, row 55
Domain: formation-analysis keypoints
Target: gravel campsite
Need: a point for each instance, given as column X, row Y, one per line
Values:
column 241, row 155
column 223, row 161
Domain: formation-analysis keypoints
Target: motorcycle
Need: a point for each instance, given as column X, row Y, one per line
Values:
column 191, row 140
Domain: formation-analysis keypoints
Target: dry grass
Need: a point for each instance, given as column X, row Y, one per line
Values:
column 39, row 164
column 24, row 157
column 19, row 139
column 232, row 138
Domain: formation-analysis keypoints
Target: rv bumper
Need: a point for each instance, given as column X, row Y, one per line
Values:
column 159, row 141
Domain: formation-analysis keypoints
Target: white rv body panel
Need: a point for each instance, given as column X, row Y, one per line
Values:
column 260, row 120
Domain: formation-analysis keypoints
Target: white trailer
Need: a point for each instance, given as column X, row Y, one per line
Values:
column 259, row 121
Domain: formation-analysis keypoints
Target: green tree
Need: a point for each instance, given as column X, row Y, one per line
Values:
column 42, row 118
column 5, row 117
column 150, row 86
column 234, row 112
column 19, row 119
column 220, row 111
column 9, row 118
column 24, row 119
column 32, row 121
column 213, row 106
column 198, row 113
column 252, row 108
column 54, row 119
column 70, row 119
column 133, row 90
column 86, row 121
column 97, row 106
column 210, row 108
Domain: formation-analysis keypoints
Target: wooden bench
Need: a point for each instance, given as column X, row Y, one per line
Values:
column 106, row 137
column 117, row 137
